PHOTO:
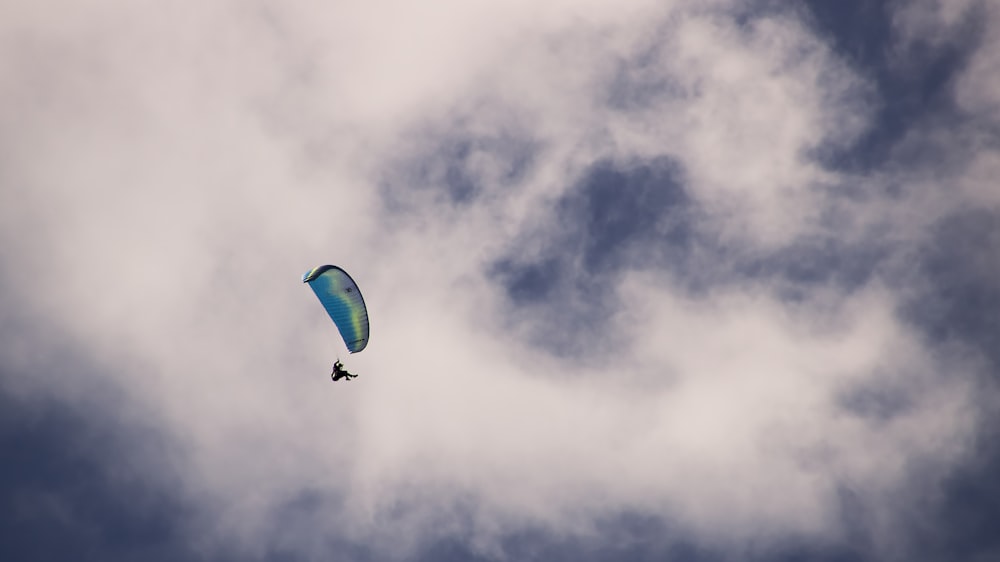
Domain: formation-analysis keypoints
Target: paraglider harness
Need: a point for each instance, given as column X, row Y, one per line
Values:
column 340, row 373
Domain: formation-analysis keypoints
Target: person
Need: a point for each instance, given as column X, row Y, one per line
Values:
column 339, row 372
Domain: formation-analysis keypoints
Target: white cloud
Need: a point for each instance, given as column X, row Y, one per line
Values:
column 179, row 168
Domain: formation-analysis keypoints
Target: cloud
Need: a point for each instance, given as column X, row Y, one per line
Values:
column 645, row 279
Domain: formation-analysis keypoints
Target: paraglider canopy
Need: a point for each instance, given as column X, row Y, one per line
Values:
column 341, row 298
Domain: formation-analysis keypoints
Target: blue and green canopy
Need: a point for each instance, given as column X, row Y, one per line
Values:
column 341, row 298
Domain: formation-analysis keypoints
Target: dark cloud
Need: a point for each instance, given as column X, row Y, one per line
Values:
column 76, row 483
column 626, row 537
column 459, row 165
column 913, row 80
column 82, row 477
column 964, row 510
column 960, row 297
column 634, row 537
column 561, row 276
column 87, row 479
column 958, row 305
column 80, row 486
column 823, row 258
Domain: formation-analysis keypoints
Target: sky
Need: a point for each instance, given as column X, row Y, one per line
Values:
column 648, row 280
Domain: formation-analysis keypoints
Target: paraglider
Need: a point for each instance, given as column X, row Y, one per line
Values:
column 339, row 372
column 341, row 298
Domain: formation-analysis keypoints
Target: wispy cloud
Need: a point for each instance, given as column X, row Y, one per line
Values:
column 645, row 279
